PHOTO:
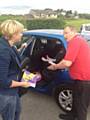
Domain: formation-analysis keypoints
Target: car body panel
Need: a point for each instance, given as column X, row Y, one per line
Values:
column 62, row 75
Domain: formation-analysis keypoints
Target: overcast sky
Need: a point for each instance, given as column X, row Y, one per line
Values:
column 78, row 5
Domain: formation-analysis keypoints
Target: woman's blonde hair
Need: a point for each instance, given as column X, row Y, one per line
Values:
column 10, row 27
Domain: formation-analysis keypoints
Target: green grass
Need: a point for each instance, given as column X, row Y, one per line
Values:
column 5, row 17
column 77, row 23
column 20, row 18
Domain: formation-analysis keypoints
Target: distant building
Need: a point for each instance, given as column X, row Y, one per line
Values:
column 47, row 13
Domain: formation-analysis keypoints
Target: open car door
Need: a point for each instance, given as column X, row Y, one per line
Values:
column 39, row 47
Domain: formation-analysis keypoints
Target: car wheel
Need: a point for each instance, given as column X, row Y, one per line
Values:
column 63, row 96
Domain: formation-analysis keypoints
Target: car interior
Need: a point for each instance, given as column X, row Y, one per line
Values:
column 41, row 47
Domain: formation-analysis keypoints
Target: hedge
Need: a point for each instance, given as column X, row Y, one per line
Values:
column 45, row 24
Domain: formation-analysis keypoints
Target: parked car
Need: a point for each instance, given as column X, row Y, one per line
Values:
column 58, row 83
column 85, row 31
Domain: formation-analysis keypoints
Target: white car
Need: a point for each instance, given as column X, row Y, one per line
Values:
column 85, row 31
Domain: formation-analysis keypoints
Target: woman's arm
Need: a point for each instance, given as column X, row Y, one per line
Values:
column 19, row 84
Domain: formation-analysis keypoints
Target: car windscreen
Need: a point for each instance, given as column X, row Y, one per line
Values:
column 87, row 28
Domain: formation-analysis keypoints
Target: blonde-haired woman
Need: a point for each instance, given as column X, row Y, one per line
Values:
column 9, row 70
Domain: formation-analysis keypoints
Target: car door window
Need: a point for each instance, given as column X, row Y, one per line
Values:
column 55, row 49
column 38, row 50
column 40, row 47
column 43, row 46
column 30, row 43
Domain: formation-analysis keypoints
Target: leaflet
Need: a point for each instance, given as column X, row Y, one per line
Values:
column 32, row 78
column 49, row 60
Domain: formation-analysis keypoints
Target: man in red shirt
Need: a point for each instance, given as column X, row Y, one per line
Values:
column 77, row 59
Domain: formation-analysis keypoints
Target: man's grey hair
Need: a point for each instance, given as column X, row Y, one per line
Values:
column 72, row 28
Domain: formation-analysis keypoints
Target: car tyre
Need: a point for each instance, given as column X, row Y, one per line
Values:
column 63, row 97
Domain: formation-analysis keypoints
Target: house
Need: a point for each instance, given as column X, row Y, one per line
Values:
column 47, row 13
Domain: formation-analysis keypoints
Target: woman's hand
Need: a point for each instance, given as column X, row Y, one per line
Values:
column 20, row 84
column 26, row 84
column 24, row 45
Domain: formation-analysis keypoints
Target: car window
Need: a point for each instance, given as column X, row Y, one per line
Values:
column 29, row 40
column 87, row 28
column 55, row 49
column 40, row 47
column 43, row 46
column 50, row 46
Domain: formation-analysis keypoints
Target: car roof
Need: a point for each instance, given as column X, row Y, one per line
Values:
column 87, row 24
column 52, row 31
column 55, row 33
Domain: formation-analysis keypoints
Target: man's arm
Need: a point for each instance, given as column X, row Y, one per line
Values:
column 61, row 65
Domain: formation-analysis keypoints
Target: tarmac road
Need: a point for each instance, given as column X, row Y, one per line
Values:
column 36, row 106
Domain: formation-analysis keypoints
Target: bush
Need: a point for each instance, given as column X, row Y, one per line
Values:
column 45, row 24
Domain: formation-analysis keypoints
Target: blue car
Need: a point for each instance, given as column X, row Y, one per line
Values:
column 57, row 83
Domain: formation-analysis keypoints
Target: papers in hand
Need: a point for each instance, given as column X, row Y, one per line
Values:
column 31, row 78
column 49, row 60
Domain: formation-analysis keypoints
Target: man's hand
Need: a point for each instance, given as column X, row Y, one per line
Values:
column 61, row 65
column 52, row 67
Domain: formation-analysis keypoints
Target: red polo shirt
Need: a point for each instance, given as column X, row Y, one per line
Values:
column 78, row 51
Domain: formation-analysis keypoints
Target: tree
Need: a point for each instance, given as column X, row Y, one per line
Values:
column 69, row 14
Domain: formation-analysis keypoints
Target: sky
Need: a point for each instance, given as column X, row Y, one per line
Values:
column 24, row 6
